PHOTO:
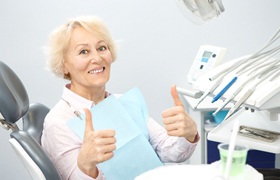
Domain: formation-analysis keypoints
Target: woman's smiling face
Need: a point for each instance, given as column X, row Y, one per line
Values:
column 88, row 60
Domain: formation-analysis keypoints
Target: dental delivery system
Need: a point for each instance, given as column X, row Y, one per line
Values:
column 251, row 81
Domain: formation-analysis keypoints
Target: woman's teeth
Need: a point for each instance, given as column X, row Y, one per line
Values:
column 96, row 71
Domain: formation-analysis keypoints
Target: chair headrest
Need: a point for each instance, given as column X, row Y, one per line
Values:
column 14, row 102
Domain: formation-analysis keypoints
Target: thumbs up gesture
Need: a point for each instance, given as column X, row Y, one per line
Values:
column 97, row 147
column 176, row 121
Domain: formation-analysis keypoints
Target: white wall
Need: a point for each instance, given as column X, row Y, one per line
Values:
column 157, row 47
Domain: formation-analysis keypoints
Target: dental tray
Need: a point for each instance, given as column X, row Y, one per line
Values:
column 258, row 120
column 260, row 134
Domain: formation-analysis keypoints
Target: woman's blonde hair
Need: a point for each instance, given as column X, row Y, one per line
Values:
column 59, row 41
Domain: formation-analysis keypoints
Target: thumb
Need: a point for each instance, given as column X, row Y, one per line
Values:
column 88, row 123
column 175, row 96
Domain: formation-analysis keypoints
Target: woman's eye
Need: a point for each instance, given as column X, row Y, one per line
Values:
column 84, row 51
column 102, row 48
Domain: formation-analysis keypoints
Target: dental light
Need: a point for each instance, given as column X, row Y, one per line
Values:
column 201, row 11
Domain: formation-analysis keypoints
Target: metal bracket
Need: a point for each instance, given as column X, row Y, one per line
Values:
column 8, row 126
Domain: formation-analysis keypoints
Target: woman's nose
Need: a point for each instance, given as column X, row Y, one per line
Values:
column 95, row 57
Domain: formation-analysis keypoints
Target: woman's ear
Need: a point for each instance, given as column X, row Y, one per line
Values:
column 65, row 70
column 66, row 73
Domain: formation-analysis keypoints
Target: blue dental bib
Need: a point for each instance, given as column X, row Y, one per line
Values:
column 128, row 116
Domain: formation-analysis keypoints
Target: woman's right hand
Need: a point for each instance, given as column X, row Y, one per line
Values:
column 97, row 147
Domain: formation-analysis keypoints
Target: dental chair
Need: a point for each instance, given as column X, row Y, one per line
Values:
column 26, row 142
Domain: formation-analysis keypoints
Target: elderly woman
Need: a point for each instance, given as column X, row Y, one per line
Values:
column 82, row 51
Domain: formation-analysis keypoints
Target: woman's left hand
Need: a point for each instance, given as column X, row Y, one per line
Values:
column 176, row 120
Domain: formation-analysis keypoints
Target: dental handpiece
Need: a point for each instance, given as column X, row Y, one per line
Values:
column 211, row 89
